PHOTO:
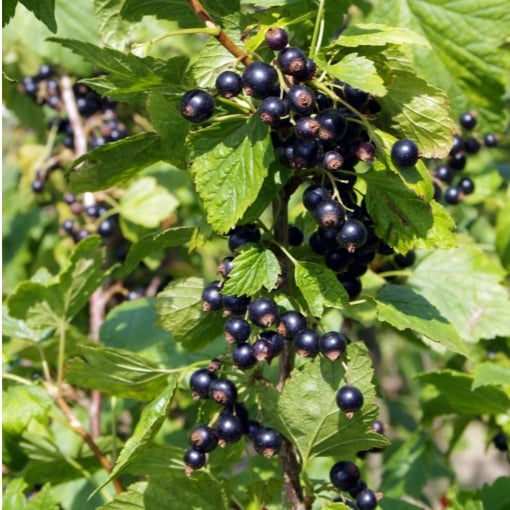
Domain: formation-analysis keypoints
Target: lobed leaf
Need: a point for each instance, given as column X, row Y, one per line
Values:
column 491, row 374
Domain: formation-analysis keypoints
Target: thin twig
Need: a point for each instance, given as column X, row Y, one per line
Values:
column 80, row 140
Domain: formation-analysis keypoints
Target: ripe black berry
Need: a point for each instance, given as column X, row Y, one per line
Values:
column 276, row 38
column 355, row 97
column 466, row 185
column 329, row 213
column 468, row 120
column 200, row 381
column 344, row 475
column 458, row 145
column 229, row 428
column 225, row 266
column 228, row 84
column 267, row 442
column 260, row 80
column 107, row 227
column 223, row 391
column 332, row 344
column 352, row 284
column 262, row 349
column 243, row 234
column 352, row 234
column 301, row 99
column 490, row 140
column 444, row 173
column 197, row 105
column 500, row 441
column 333, row 124
column 404, row 153
column 272, row 109
column 457, row 161
column 306, row 128
column 472, row 145
column 37, row 186
column 236, row 305
column 349, row 399
column 306, row 343
column 203, row 438
column 366, row 500
column 295, row 235
column 237, row 330
column 292, row 60
column 337, row 259
column 332, row 161
column 263, row 312
column 243, row 356
column 290, row 324
column 194, row 459
column 314, row 195
column 211, row 297
column 403, row 261
column 68, row 226
column 305, row 154
column 452, row 195
column 276, row 341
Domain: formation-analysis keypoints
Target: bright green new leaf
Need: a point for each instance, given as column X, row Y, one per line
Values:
column 110, row 24
column 229, row 177
column 15, row 497
column 131, row 499
column 465, row 285
column 320, row 287
column 491, row 373
column 146, row 203
column 254, row 268
column 179, row 310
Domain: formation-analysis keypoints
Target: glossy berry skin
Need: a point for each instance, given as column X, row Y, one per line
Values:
column 229, row 428
column 332, row 345
column 301, row 99
column 332, row 161
column 467, row 120
column 229, row 84
column 500, row 441
column 349, row 399
column 457, row 161
column 291, row 60
column 490, row 140
column 200, row 381
column 260, row 80
column 211, row 297
column 472, row 145
column 457, row 146
column 351, row 235
column 352, row 284
column 276, row 38
column 237, row 330
column 236, row 305
column 243, row 356
column 329, row 213
column 305, row 154
column 403, row 261
column 225, row 266
column 366, row 500
column 290, row 324
column 444, row 173
column 262, row 349
column 295, row 236
column 466, row 185
column 106, row 228
column 344, row 475
column 314, row 195
column 452, row 195
column 306, row 343
column 272, row 109
column 309, row 71
column 267, row 442
column 275, row 340
column 37, row 186
column 197, row 105
column 68, row 226
column 242, row 234
column 223, row 391
column 333, row 124
column 203, row 438
column 337, row 259
column 263, row 312
column 306, row 128
column 404, row 153
column 194, row 459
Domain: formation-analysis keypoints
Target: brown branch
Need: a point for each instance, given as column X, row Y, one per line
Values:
column 222, row 37
column 80, row 139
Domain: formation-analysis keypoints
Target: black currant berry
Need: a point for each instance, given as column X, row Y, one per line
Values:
column 194, row 459
column 295, row 235
column 263, row 312
column 352, row 234
column 223, row 391
column 403, row 261
column 263, row 349
column 458, row 145
column 472, row 145
column 349, row 399
column 306, row 343
column 468, row 120
column 301, row 99
column 333, row 124
column 500, row 441
column 306, row 128
column 237, row 330
column 314, row 195
column 229, row 428
column 235, row 305
column 197, row 105
column 457, row 161
column 228, row 84
column 276, row 38
column 352, row 284
column 355, row 97
column 225, row 266
column 365, row 151
column 243, row 356
column 453, row 195
column 107, row 227
column 290, row 324
column 444, row 173
column 211, row 297
column 490, row 140
column 309, row 72
column 203, row 438
column 252, row 426
column 275, row 340
column 242, row 234
column 200, row 381
column 68, row 226
column 272, row 109
column 366, row 500
column 81, row 234
column 267, row 442
column 305, row 154
column 332, row 344
column 344, row 475
column 337, row 259
column 37, row 186
column 260, row 80
column 332, row 161
column 291, row 60
column 329, row 213
column 404, row 153
column 466, row 185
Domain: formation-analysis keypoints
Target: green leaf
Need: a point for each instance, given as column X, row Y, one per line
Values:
column 151, row 420
column 403, row 219
column 404, row 308
column 320, row 287
column 396, row 504
column 115, row 163
column 179, row 310
column 43, row 11
column 229, row 177
column 491, row 374
column 464, row 284
column 496, row 496
column 116, row 372
column 503, row 235
column 472, row 74
column 151, row 243
column 146, row 203
column 131, row 499
column 254, row 268
column 359, row 72
column 8, row 10
column 47, row 305
column 111, row 26
column 320, row 428
column 15, row 498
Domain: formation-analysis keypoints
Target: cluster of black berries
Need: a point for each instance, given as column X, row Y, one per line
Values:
column 346, row 477
column 450, row 184
column 98, row 115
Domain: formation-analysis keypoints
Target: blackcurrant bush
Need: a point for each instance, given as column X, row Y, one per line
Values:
column 276, row 38
column 329, row 213
column 457, row 146
column 453, row 195
column 194, row 459
column 444, row 173
column 237, row 330
column 366, row 500
column 228, row 84
column 290, row 324
column 490, row 140
column 243, row 356
column 467, row 185
column 260, row 80
column 306, row 128
column 468, row 120
column 197, row 105
column 203, row 438
column 242, row 234
column 404, row 153
column 229, row 428
column 200, row 381
column 349, row 399
column 267, row 442
column 352, row 234
column 223, row 391
column 306, row 343
column 291, row 60
column 333, row 124
column 301, row 99
column 332, row 344
column 211, row 297
column 263, row 312
column 272, row 109
column 332, row 161
column 344, row 475
column 314, row 195
column 295, row 235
